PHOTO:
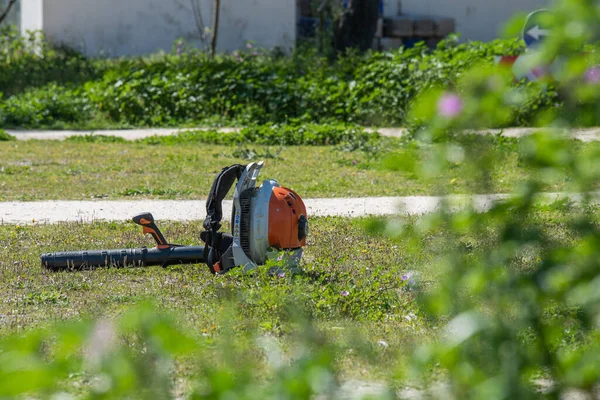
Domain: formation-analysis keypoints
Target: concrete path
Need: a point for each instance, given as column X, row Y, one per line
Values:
column 356, row 389
column 127, row 134
column 586, row 135
column 185, row 210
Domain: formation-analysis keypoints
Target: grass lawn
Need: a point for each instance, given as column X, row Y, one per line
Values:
column 46, row 170
column 340, row 258
column 361, row 291
column 354, row 287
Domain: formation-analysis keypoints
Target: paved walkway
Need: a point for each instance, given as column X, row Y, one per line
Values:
column 356, row 389
column 586, row 135
column 127, row 134
column 53, row 211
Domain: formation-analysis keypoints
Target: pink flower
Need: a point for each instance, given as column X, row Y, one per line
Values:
column 592, row 75
column 281, row 275
column 345, row 293
column 407, row 276
column 450, row 105
column 249, row 45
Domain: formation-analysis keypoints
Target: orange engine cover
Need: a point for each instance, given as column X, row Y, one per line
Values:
column 285, row 210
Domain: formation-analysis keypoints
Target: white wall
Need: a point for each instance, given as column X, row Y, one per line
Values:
column 133, row 27
column 475, row 19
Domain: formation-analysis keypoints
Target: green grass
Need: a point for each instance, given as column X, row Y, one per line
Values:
column 337, row 251
column 340, row 257
column 46, row 170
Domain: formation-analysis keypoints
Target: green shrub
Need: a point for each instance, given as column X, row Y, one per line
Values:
column 31, row 61
column 50, row 106
column 242, row 88
column 385, row 87
column 5, row 136
column 284, row 135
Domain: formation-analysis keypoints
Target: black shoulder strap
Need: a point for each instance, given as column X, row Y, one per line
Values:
column 214, row 214
column 218, row 191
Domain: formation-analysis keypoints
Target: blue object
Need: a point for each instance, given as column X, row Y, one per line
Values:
column 536, row 28
column 307, row 26
column 409, row 43
column 346, row 2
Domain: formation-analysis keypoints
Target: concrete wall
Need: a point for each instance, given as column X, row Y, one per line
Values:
column 475, row 19
column 134, row 27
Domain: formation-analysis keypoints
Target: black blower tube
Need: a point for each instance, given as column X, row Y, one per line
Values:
column 90, row 259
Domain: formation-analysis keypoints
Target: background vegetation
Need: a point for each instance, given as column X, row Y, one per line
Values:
column 50, row 87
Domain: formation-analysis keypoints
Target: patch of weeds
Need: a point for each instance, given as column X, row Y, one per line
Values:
column 120, row 299
column 146, row 191
column 203, row 136
column 372, row 143
column 357, row 163
column 5, row 136
column 355, row 137
column 28, row 197
column 46, row 297
column 74, row 171
column 99, row 196
column 14, row 169
column 246, row 153
column 92, row 138
column 77, row 286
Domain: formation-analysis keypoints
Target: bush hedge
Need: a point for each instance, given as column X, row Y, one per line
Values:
column 32, row 62
column 282, row 135
column 59, row 88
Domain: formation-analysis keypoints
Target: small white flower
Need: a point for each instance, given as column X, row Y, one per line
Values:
column 410, row 317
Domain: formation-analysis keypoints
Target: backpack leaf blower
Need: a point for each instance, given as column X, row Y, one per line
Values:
column 264, row 217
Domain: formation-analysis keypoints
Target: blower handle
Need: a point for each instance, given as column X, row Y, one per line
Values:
column 146, row 220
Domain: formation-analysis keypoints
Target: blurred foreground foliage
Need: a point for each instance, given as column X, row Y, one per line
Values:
column 138, row 355
column 507, row 328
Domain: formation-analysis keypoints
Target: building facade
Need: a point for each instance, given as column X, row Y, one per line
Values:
column 137, row 27
column 482, row 20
